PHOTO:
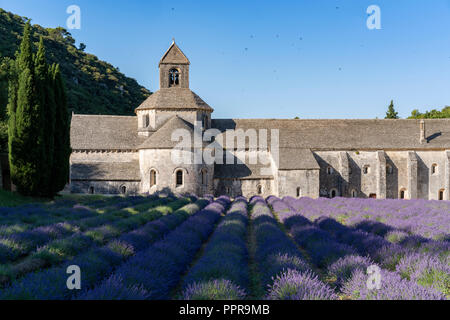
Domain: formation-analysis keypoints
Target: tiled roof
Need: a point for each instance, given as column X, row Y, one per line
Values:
column 174, row 55
column 93, row 132
column 174, row 98
column 162, row 138
column 348, row 134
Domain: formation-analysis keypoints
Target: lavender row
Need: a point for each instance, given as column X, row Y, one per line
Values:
column 222, row 271
column 59, row 250
column 322, row 238
column 427, row 219
column 20, row 244
column 424, row 268
column 320, row 245
column 97, row 262
column 23, row 218
column 284, row 271
column 153, row 273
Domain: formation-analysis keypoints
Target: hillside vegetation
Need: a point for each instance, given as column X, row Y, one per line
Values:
column 93, row 86
column 433, row 114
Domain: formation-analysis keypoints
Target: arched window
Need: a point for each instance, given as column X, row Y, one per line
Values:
column 204, row 176
column 145, row 121
column 205, row 122
column 123, row 189
column 91, row 190
column 403, row 194
column 152, row 178
column 259, row 189
column 330, row 170
column 333, row 193
column 441, row 194
column 174, row 78
column 354, row 193
column 179, row 178
column 434, row 169
column 228, row 191
column 366, row 169
column 299, row 192
column 389, row 169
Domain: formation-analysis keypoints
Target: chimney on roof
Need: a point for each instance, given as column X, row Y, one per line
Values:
column 422, row 131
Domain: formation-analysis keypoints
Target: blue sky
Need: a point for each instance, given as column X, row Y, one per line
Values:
column 275, row 59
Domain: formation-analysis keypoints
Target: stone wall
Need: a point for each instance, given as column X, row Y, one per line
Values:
column 388, row 173
column 397, row 178
column 160, row 160
column 105, row 187
column 183, row 70
column 298, row 183
column 429, row 184
column 244, row 187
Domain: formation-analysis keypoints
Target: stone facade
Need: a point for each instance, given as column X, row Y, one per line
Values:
column 329, row 158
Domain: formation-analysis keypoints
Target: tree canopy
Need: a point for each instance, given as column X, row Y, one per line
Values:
column 38, row 122
column 433, row 114
column 391, row 113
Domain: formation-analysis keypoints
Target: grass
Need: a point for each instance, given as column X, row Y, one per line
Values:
column 13, row 199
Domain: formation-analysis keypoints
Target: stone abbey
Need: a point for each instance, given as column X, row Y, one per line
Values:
column 406, row 159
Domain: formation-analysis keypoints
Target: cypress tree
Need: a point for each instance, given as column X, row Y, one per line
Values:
column 13, row 86
column 62, row 150
column 391, row 113
column 38, row 126
column 46, row 112
column 25, row 145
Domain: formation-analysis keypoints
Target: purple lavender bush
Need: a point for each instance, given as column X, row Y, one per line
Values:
column 225, row 256
column 275, row 252
column 393, row 287
column 341, row 270
column 114, row 289
column 159, row 268
column 96, row 263
column 427, row 270
column 218, row 289
column 295, row 285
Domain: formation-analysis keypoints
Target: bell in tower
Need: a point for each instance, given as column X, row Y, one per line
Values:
column 174, row 69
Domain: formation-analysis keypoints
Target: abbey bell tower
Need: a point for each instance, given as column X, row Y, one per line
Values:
column 174, row 69
column 174, row 98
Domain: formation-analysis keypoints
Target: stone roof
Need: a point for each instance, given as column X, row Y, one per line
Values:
column 240, row 171
column 161, row 139
column 297, row 159
column 174, row 98
column 95, row 132
column 247, row 170
column 348, row 134
column 109, row 171
column 92, row 132
column 174, row 55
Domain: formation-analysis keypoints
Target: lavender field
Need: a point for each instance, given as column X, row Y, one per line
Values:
column 204, row 248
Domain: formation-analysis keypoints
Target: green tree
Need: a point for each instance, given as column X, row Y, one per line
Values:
column 46, row 111
column 62, row 150
column 391, row 113
column 25, row 136
column 38, row 125
column 5, row 64
column 432, row 114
